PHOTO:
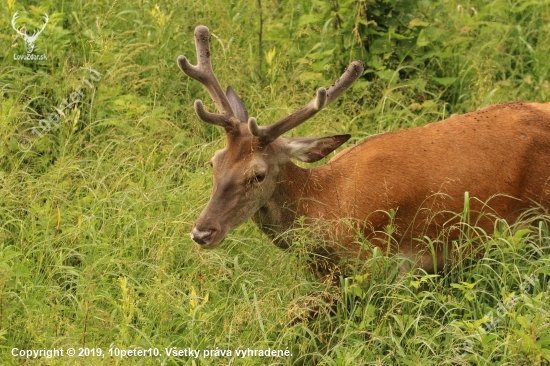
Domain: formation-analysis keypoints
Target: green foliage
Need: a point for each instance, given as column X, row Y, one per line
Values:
column 95, row 214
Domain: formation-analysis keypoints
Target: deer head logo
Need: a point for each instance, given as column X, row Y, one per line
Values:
column 29, row 40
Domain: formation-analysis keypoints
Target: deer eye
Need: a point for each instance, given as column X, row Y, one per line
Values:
column 258, row 178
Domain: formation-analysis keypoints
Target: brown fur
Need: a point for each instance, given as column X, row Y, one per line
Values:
column 500, row 155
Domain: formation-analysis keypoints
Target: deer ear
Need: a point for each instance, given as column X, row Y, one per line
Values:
column 237, row 105
column 311, row 149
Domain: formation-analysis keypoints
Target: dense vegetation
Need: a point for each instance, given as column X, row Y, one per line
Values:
column 95, row 213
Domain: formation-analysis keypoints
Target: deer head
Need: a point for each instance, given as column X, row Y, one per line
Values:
column 246, row 171
column 29, row 40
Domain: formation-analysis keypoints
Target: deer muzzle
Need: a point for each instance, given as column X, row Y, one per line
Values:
column 207, row 237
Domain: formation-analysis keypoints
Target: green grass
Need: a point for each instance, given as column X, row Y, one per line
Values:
column 95, row 216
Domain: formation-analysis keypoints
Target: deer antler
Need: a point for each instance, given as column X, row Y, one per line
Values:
column 204, row 74
column 13, row 20
column 324, row 97
column 36, row 33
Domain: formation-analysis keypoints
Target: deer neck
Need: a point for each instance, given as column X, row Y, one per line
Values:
column 294, row 187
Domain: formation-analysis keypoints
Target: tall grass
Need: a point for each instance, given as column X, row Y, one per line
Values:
column 95, row 216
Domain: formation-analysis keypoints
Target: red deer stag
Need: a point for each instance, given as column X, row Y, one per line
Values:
column 500, row 155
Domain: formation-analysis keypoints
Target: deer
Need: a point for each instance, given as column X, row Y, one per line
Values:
column 29, row 40
column 413, row 180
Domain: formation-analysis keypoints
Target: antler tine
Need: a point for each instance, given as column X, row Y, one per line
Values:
column 204, row 74
column 323, row 98
column 47, row 18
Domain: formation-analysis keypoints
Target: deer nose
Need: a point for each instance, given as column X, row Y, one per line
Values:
column 203, row 237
